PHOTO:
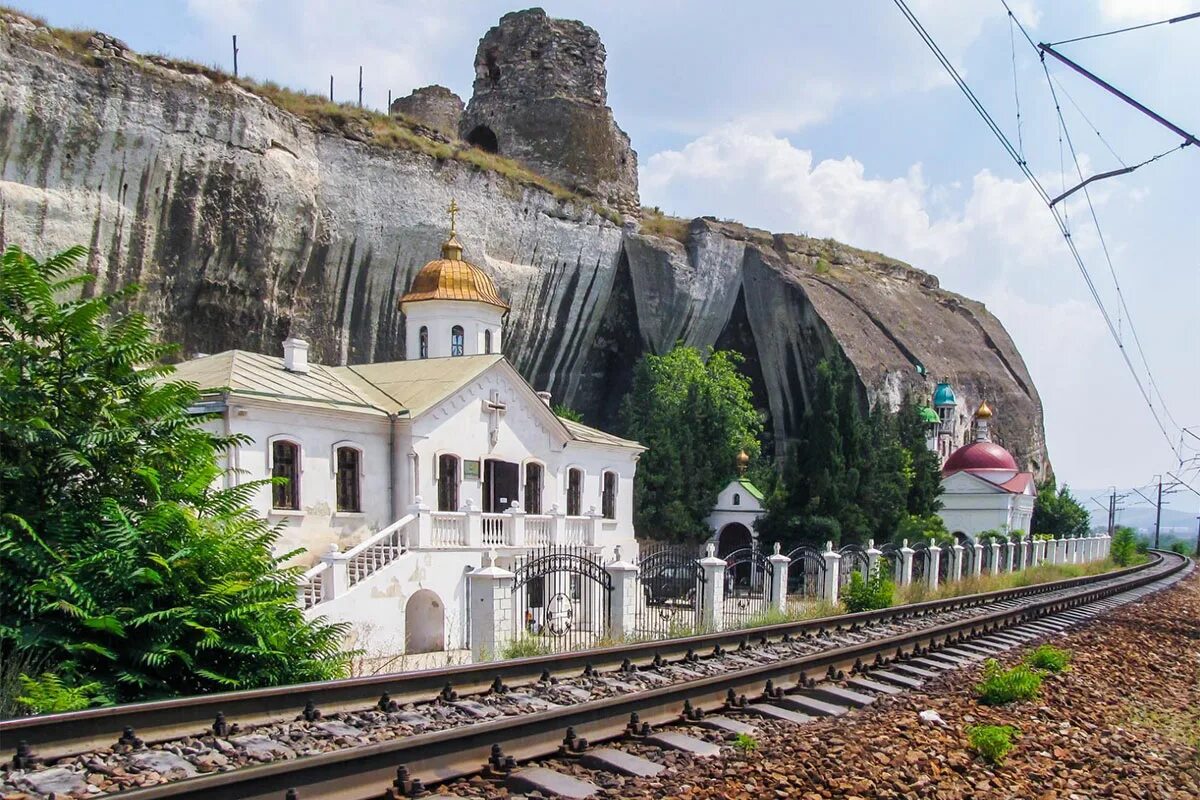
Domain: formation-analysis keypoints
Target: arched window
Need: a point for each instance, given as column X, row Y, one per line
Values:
column 456, row 340
column 447, row 482
column 608, row 498
column 423, row 339
column 574, row 492
column 534, row 478
column 737, row 499
column 487, row 341
column 349, row 488
column 285, row 464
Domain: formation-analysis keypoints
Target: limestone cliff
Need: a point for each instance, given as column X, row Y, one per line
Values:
column 245, row 224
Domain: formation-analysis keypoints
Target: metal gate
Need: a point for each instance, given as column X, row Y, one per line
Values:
column 920, row 561
column 560, row 600
column 854, row 559
column 670, row 588
column 747, row 582
column 968, row 555
column 891, row 562
column 806, row 575
column 946, row 565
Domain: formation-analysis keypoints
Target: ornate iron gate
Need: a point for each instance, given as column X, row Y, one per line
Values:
column 968, row 554
column 854, row 559
column 747, row 583
column 891, row 562
column 670, row 588
column 560, row 600
column 920, row 561
column 806, row 575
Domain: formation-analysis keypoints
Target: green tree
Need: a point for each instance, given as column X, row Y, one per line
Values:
column 694, row 413
column 1058, row 513
column 122, row 568
column 925, row 470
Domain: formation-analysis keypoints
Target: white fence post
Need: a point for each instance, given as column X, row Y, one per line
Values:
column 833, row 579
column 935, row 563
column 906, row 557
column 595, row 521
column 491, row 610
column 977, row 562
column 337, row 577
column 1012, row 552
column 779, row 578
column 474, row 525
column 872, row 557
column 622, row 602
column 558, row 525
column 515, row 525
column 712, row 603
column 1020, row 551
column 423, row 537
column 958, row 551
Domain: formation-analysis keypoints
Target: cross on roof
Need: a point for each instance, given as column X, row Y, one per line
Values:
column 453, row 213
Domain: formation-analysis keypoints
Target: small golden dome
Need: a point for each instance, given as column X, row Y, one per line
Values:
column 451, row 278
column 984, row 412
column 743, row 461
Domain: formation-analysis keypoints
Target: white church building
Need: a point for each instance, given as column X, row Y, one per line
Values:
column 401, row 478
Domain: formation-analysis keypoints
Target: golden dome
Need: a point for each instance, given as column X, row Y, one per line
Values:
column 743, row 461
column 451, row 278
column 984, row 412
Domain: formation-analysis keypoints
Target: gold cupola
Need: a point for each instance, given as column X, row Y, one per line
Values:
column 451, row 278
column 984, row 412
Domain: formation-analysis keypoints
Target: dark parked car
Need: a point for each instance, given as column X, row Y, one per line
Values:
column 673, row 583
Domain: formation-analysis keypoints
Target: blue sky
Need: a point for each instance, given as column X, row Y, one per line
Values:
column 832, row 119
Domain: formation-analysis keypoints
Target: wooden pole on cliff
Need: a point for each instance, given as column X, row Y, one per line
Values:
column 235, row 73
column 331, row 88
column 360, row 86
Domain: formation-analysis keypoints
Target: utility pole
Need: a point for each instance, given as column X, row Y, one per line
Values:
column 360, row 86
column 1158, row 513
column 235, row 71
column 1112, row 511
column 389, row 101
column 331, row 88
column 1197, row 537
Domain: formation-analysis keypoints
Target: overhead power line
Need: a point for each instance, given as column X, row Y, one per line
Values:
column 1170, row 21
column 1059, row 219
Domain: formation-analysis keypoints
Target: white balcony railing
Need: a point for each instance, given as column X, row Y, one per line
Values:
column 575, row 530
column 377, row 551
column 310, row 587
column 494, row 530
column 449, row 529
column 538, row 530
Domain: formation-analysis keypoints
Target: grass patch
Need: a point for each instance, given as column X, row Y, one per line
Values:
column 1049, row 658
column 745, row 743
column 1177, row 725
column 656, row 223
column 793, row 613
column 525, row 647
column 1043, row 573
column 991, row 742
column 1002, row 686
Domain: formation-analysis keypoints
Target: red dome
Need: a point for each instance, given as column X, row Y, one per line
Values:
column 980, row 455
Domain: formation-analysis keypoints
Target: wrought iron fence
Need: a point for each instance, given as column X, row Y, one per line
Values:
column 806, row 575
column 854, row 559
column 670, row 590
column 560, row 601
column 747, row 584
column 891, row 561
column 920, row 561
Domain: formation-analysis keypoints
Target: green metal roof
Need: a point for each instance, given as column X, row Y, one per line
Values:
column 944, row 395
column 929, row 415
column 751, row 488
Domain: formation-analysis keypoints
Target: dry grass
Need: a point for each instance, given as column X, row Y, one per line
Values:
column 345, row 119
column 920, row 592
column 656, row 223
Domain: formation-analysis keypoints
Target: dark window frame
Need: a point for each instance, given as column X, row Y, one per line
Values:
column 348, row 480
column 285, row 463
column 423, row 342
column 574, row 492
column 457, row 341
column 449, row 481
column 608, row 494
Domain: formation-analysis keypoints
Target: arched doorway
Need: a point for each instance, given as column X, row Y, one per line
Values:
column 424, row 623
column 484, row 138
column 733, row 536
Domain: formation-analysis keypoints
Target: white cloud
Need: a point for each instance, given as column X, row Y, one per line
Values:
column 1144, row 10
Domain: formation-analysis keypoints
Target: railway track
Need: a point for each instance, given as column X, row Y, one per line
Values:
column 526, row 706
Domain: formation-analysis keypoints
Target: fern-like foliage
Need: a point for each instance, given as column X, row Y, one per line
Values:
column 124, row 567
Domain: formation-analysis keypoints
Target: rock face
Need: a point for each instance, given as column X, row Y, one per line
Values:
column 540, row 97
column 245, row 225
column 435, row 106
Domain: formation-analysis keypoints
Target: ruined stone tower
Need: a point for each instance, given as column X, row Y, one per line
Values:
column 540, row 98
column 435, row 106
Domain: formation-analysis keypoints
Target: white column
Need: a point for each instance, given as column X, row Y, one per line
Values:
column 491, row 610
column 935, row 563
column 337, row 577
column 1071, row 546
column 712, row 601
column 779, row 578
column 622, row 602
column 977, row 563
column 558, row 525
column 474, row 525
column 873, row 558
column 594, row 528
column 423, row 536
column 958, row 551
column 995, row 557
column 832, row 579
column 1105, row 545
column 906, row 556
column 1012, row 552
column 1060, row 550
column 515, row 525
column 1022, row 553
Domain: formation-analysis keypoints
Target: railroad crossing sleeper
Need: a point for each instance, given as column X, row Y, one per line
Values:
column 669, row 740
column 916, row 672
column 868, row 685
column 965, row 656
column 931, row 664
column 979, row 649
column 811, row 706
column 549, row 782
column 836, row 694
column 946, row 660
column 727, row 725
column 611, row 760
column 775, row 712
column 896, row 679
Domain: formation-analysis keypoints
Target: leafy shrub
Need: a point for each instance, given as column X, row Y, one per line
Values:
column 525, row 646
column 745, row 742
column 1049, row 659
column 992, row 742
column 1181, row 547
column 867, row 594
column 49, row 695
column 1000, row 686
column 1123, row 546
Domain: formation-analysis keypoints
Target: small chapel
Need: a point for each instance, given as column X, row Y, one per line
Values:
column 396, row 480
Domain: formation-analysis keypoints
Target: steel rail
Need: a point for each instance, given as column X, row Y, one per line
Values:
column 366, row 771
column 60, row 735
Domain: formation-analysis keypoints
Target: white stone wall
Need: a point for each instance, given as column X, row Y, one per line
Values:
column 970, row 506
column 440, row 316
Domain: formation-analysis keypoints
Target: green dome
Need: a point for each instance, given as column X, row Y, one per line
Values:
column 929, row 415
column 944, row 395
